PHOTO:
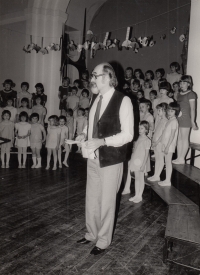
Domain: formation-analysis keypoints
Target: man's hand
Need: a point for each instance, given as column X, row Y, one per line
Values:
column 94, row 143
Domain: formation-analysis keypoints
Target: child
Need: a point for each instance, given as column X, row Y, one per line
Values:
column 77, row 83
column 129, row 75
column 6, row 131
column 38, row 136
column 169, row 139
column 39, row 92
column 12, row 109
column 24, row 94
column 174, row 76
column 147, row 88
column 52, row 142
column 24, row 107
column 140, row 96
column 87, row 86
column 39, row 109
column 84, row 101
column 140, row 162
column 156, row 142
column 64, row 135
column 187, row 101
column 152, row 96
column 72, row 101
column 164, row 87
column 176, row 88
column 70, row 123
column 159, row 75
column 138, row 74
column 135, row 86
column 64, row 91
column 144, row 107
column 81, row 122
column 22, row 131
column 8, row 92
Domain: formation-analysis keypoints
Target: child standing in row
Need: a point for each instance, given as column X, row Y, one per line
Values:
column 156, row 143
column 7, row 93
column 169, row 140
column 52, row 141
column 22, row 131
column 24, row 107
column 64, row 135
column 84, row 100
column 13, row 110
column 140, row 162
column 73, row 101
column 37, row 137
column 39, row 109
column 174, row 76
column 6, row 131
column 24, row 94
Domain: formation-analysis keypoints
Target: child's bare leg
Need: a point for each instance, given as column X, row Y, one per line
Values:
column 3, row 157
column 142, row 184
column 33, row 157
column 128, row 182
column 20, row 157
column 49, row 150
column 24, row 151
column 7, row 157
column 55, row 158
column 59, row 157
column 67, row 149
column 38, row 156
column 137, row 186
column 168, row 161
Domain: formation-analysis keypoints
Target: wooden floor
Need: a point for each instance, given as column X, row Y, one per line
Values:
column 42, row 217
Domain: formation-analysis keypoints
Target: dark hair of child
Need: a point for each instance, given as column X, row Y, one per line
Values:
column 10, row 82
column 11, row 99
column 140, row 72
column 162, row 106
column 24, row 99
column 154, row 92
column 129, row 69
column 85, row 91
column 74, row 88
column 188, row 79
column 175, row 83
column 170, row 93
column 86, row 109
column 136, row 81
column 161, row 71
column 149, row 82
column 85, row 73
column 141, row 91
column 146, row 125
column 151, row 73
column 6, row 112
column 62, row 117
column 174, row 106
column 146, row 101
column 23, row 114
column 25, row 84
column 82, row 110
column 40, row 85
column 69, row 111
column 33, row 115
column 38, row 96
column 65, row 78
column 78, row 82
column 176, row 65
column 165, row 86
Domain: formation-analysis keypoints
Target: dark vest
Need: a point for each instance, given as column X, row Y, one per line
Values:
column 109, row 125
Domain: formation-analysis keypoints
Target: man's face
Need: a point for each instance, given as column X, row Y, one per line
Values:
column 98, row 80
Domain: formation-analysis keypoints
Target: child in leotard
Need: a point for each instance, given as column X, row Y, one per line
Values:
column 64, row 135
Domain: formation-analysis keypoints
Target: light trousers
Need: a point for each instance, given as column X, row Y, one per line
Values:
column 101, row 191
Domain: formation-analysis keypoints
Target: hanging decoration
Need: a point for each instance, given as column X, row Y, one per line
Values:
column 173, row 30
column 44, row 50
column 182, row 37
column 127, row 42
column 163, row 37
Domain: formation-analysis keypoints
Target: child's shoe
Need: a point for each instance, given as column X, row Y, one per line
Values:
column 23, row 166
column 164, row 183
column 54, row 168
column 65, row 164
column 137, row 200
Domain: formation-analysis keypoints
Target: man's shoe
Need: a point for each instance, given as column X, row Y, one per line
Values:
column 83, row 241
column 96, row 251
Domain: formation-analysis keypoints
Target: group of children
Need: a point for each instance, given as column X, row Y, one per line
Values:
column 166, row 117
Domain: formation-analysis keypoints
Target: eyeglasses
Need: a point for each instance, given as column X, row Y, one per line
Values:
column 96, row 75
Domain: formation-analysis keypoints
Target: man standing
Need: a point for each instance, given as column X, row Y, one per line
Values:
column 110, row 129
